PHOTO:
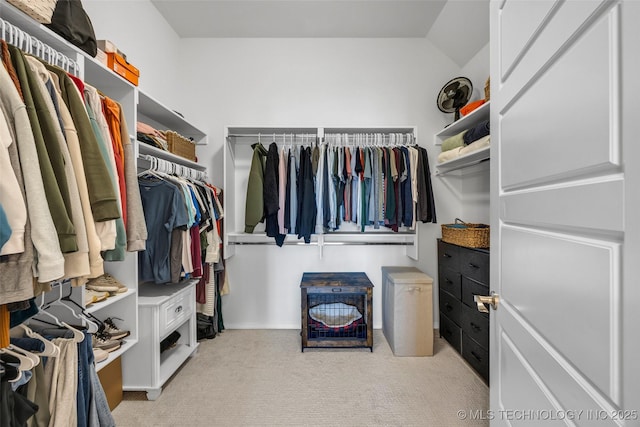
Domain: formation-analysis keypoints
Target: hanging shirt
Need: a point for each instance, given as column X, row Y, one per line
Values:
column 307, row 210
column 271, row 194
column 164, row 210
column 282, row 192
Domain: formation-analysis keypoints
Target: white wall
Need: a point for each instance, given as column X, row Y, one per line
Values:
column 137, row 29
column 311, row 82
column 297, row 82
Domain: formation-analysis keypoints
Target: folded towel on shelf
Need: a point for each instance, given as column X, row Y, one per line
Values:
column 462, row 151
column 475, row 133
column 471, row 106
column 454, row 141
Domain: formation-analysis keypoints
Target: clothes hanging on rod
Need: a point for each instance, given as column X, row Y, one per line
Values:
column 61, row 386
column 369, row 180
column 181, row 214
column 59, row 155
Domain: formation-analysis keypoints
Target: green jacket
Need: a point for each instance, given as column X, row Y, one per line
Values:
column 104, row 204
column 254, row 208
column 49, row 155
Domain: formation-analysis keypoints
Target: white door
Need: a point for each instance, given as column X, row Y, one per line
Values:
column 565, row 183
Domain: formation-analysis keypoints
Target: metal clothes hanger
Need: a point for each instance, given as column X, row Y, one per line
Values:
column 50, row 349
column 78, row 336
column 92, row 327
column 25, row 363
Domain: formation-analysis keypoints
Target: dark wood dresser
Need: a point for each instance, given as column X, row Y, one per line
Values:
column 336, row 310
column 463, row 273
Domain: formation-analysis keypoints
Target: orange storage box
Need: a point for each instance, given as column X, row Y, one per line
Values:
column 120, row 66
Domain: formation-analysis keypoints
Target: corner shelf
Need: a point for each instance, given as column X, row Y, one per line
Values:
column 470, row 120
column 470, row 159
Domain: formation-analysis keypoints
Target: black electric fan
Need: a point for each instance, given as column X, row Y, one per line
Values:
column 454, row 95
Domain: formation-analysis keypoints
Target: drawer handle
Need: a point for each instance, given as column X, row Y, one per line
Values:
column 336, row 290
column 449, row 281
column 478, row 358
column 475, row 327
column 448, row 306
column 472, row 265
column 446, row 255
column 178, row 309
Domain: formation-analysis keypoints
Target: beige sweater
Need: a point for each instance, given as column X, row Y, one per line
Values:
column 96, row 264
column 50, row 263
column 76, row 263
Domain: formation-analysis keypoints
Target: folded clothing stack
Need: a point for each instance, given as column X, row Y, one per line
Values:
column 151, row 136
column 465, row 149
column 465, row 142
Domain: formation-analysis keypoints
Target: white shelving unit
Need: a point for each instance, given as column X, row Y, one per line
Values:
column 156, row 114
column 475, row 117
column 470, row 120
column 237, row 159
column 137, row 106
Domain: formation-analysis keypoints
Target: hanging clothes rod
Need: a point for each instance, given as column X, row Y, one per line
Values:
column 32, row 46
column 270, row 135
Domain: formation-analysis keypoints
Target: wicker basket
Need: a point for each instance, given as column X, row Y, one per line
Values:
column 181, row 146
column 466, row 234
column 487, row 89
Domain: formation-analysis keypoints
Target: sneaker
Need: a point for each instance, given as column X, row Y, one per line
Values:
column 115, row 282
column 91, row 296
column 100, row 355
column 104, row 342
column 111, row 330
column 101, row 284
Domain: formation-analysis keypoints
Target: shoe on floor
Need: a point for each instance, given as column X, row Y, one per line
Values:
column 100, row 355
column 101, row 284
column 111, row 330
column 104, row 342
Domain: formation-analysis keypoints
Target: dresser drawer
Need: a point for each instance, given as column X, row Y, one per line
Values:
column 449, row 281
column 475, row 325
column 448, row 255
column 451, row 307
column 477, row 357
column 174, row 311
column 471, row 288
column 451, row 332
column 474, row 264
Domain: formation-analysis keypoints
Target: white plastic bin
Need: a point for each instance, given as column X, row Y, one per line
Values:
column 407, row 311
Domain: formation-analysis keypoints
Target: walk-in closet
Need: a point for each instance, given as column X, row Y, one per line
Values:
column 244, row 213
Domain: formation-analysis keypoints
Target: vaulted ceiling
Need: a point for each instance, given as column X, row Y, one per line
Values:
column 460, row 28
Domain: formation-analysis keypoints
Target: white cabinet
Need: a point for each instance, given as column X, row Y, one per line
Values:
column 162, row 311
column 477, row 116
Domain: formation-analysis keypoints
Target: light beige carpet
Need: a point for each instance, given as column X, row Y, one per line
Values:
column 261, row 378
